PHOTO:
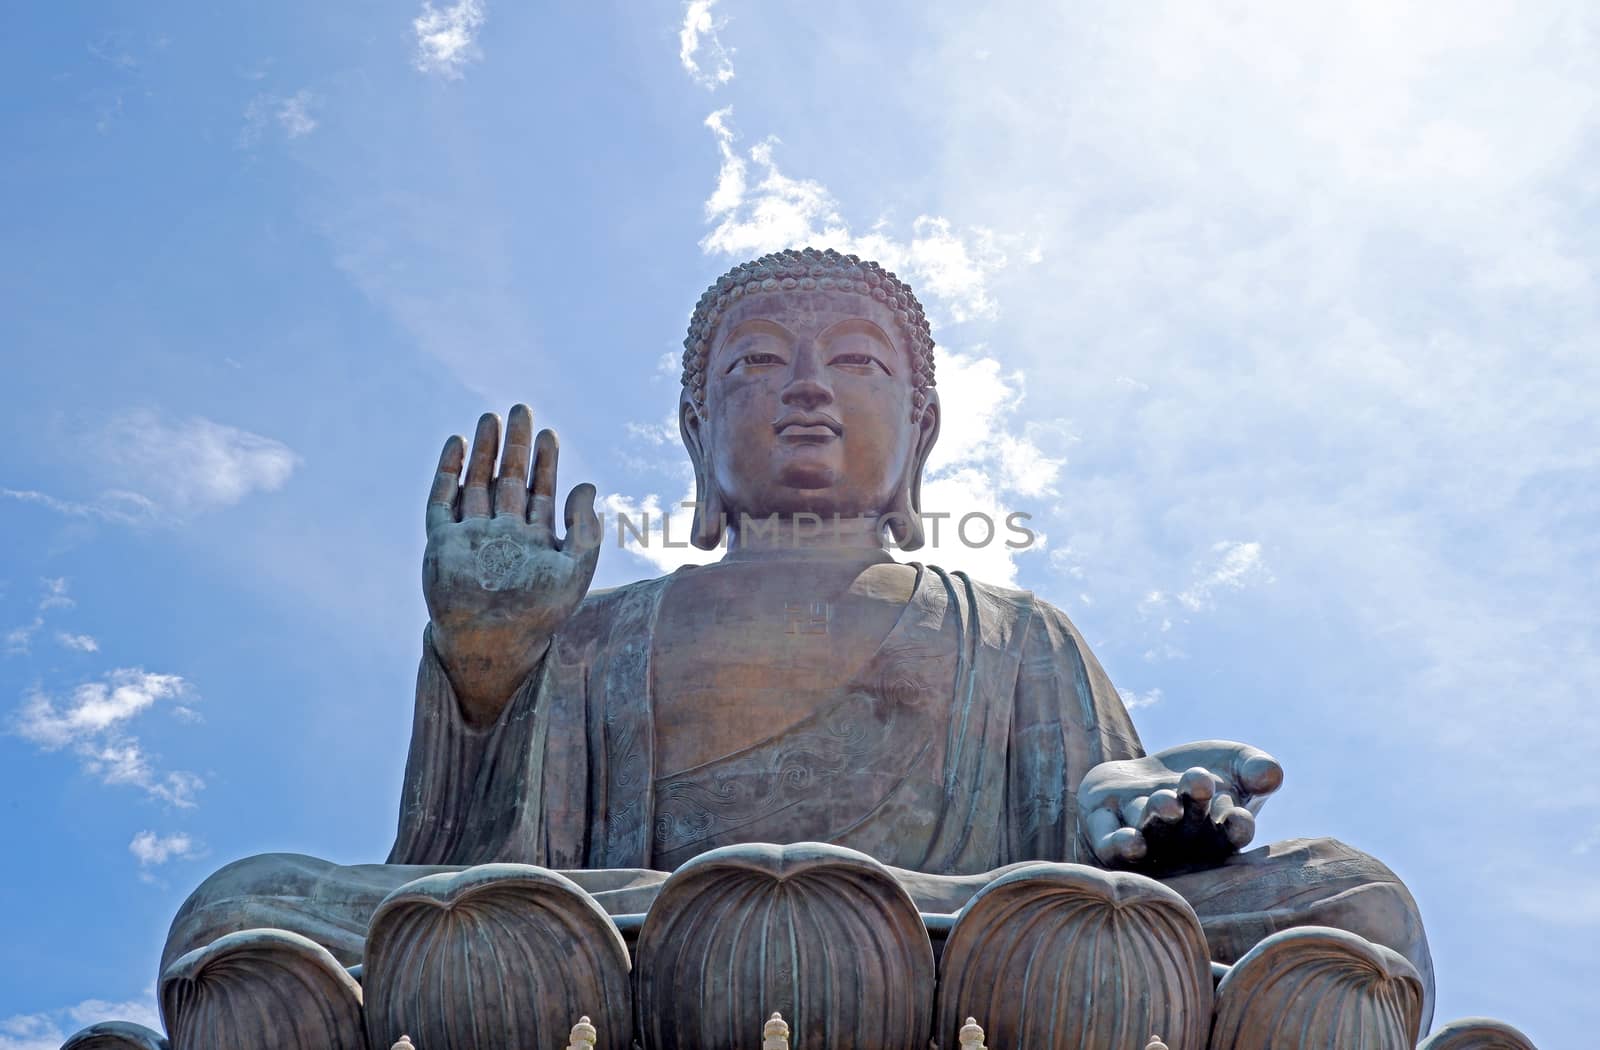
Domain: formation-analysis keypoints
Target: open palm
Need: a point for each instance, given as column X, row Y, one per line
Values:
column 498, row 580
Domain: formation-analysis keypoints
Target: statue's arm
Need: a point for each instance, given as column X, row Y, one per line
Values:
column 499, row 584
column 1183, row 808
column 444, row 813
column 1066, row 720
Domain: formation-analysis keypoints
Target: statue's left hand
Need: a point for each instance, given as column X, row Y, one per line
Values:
column 1183, row 809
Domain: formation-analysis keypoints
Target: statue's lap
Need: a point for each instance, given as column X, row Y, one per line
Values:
column 1301, row 882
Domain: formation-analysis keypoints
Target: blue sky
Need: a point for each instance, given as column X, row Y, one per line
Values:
column 1279, row 319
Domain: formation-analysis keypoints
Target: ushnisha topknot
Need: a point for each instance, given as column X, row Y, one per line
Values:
column 807, row 269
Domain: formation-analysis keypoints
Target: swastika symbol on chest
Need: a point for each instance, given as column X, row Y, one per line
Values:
column 807, row 617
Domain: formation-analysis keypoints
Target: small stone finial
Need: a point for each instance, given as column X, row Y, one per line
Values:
column 775, row 1033
column 1155, row 1044
column 404, row 1043
column 972, row 1035
column 583, row 1035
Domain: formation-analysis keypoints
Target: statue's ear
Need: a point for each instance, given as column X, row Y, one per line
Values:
column 905, row 520
column 709, row 518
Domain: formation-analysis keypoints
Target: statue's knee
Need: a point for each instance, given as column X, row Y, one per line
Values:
column 265, row 874
column 1305, row 882
column 1341, row 868
column 1352, row 890
column 239, row 896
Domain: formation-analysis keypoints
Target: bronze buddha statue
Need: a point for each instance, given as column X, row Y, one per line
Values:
column 807, row 687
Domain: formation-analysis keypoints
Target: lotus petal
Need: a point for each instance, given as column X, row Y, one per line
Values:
column 496, row 956
column 1477, row 1033
column 261, row 990
column 821, row 934
column 116, row 1035
column 1316, row 988
column 1067, row 956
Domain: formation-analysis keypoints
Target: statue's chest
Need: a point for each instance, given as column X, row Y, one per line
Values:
column 744, row 652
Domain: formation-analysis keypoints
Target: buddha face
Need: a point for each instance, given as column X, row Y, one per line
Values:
column 808, row 408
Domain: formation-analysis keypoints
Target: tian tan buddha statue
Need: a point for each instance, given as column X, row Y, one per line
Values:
column 783, row 780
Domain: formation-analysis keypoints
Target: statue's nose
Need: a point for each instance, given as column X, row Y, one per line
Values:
column 807, row 387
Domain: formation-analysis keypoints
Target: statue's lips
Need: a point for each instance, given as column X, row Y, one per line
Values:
column 808, row 430
column 808, row 435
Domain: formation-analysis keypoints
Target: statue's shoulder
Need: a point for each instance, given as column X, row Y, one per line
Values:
column 1032, row 620
column 627, row 592
column 630, row 605
column 1004, row 615
column 992, row 594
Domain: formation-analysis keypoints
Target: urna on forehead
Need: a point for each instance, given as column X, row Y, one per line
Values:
column 810, row 270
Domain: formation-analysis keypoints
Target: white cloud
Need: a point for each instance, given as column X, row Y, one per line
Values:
column 82, row 643
column 294, row 115
column 123, row 761
column 447, row 38
column 31, row 1032
column 55, row 594
column 1319, row 274
column 122, row 508
column 700, row 32
column 152, row 850
column 93, row 723
column 47, row 1031
column 19, row 640
column 965, row 522
column 195, row 465
column 95, row 707
column 663, row 433
column 180, row 467
column 291, row 114
column 1134, row 701
column 950, row 269
column 656, row 534
column 984, row 463
column 1236, row 566
column 955, row 268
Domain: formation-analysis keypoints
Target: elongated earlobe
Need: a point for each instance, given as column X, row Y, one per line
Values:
column 710, row 520
column 905, row 517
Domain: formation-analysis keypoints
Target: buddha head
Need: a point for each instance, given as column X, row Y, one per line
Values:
column 808, row 389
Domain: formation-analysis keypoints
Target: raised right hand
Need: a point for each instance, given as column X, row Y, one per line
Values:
column 497, row 580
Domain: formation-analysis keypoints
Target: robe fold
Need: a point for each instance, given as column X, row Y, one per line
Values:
column 956, row 748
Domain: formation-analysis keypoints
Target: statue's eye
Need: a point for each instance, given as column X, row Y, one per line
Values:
column 858, row 361
column 756, row 358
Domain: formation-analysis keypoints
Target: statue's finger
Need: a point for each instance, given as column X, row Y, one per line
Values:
column 1256, row 772
column 542, row 507
column 1238, row 826
column 1133, row 810
column 583, row 525
column 1164, row 807
column 1196, row 787
column 446, row 481
column 480, row 467
column 1102, row 825
column 511, row 487
column 1126, row 846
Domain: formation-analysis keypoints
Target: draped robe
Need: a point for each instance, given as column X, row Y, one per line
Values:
column 955, row 749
